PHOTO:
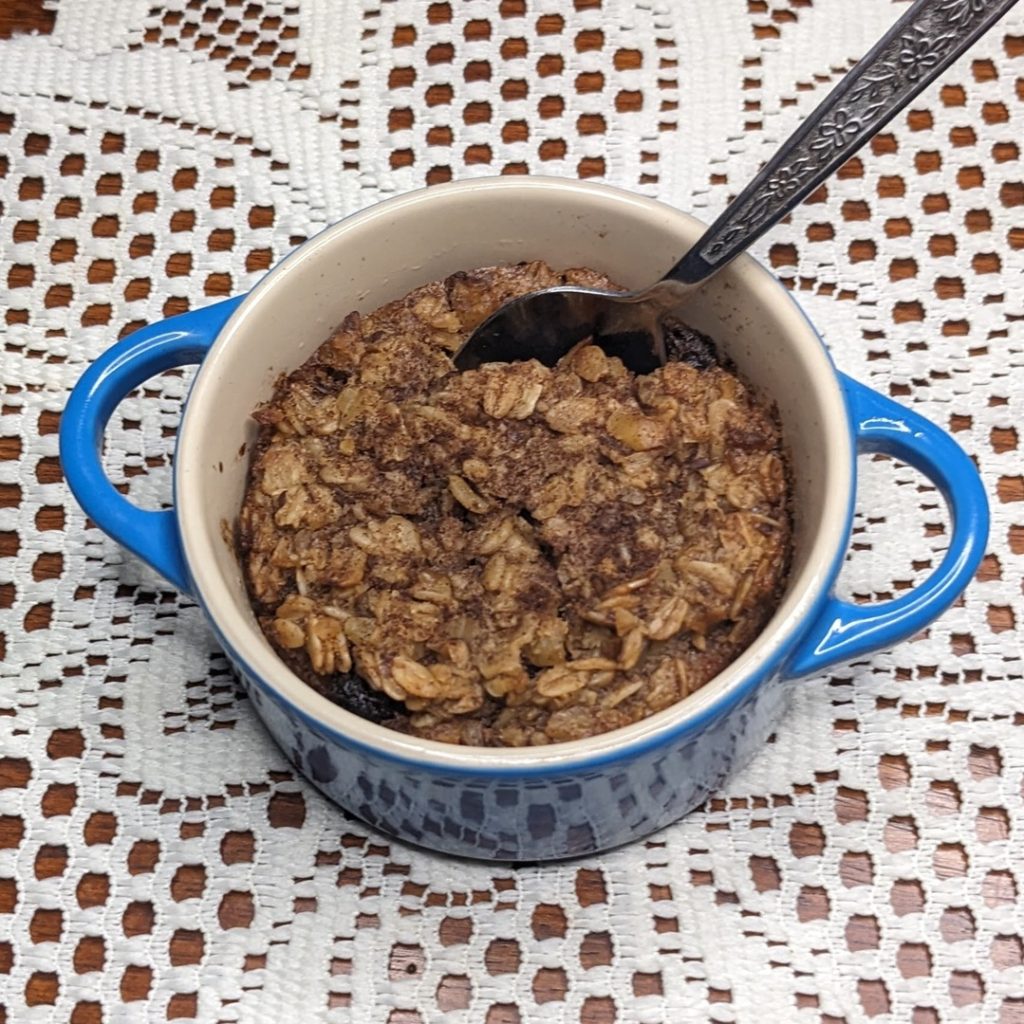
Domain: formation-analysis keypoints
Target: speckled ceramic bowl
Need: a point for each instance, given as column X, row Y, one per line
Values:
column 565, row 799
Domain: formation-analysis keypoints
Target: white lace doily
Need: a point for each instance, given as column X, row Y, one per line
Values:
column 159, row 860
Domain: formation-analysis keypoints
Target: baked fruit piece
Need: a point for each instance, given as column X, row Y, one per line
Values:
column 517, row 554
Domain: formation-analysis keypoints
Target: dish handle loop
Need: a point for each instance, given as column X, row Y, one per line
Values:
column 179, row 341
column 842, row 631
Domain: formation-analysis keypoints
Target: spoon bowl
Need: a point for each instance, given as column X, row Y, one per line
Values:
column 635, row 326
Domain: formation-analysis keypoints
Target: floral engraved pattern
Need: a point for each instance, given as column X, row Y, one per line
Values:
column 960, row 13
column 779, row 187
column 911, row 54
column 920, row 53
column 835, row 134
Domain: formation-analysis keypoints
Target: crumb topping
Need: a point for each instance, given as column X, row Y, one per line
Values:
column 516, row 554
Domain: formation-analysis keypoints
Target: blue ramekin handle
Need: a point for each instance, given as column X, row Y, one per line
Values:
column 180, row 341
column 843, row 631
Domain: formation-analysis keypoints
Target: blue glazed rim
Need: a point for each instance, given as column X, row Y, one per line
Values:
column 805, row 646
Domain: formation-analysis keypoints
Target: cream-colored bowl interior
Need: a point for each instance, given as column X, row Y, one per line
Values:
column 384, row 252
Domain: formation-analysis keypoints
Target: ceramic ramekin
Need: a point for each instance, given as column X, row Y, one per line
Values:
column 565, row 799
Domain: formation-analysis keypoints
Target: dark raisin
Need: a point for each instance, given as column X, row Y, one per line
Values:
column 328, row 380
column 685, row 345
column 356, row 695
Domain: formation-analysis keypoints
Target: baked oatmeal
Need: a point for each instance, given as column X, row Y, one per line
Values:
column 517, row 554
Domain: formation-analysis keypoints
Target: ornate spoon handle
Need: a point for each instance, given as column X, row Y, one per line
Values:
column 915, row 51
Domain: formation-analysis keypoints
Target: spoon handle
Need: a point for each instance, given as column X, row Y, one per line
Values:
column 915, row 51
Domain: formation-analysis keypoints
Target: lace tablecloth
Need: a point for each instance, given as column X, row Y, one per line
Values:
column 159, row 860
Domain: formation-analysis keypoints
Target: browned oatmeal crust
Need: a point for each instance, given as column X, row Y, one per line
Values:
column 512, row 555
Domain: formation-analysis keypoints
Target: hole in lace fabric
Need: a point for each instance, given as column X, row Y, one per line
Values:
column 900, row 532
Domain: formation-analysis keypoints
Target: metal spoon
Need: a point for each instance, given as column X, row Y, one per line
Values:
column 632, row 325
